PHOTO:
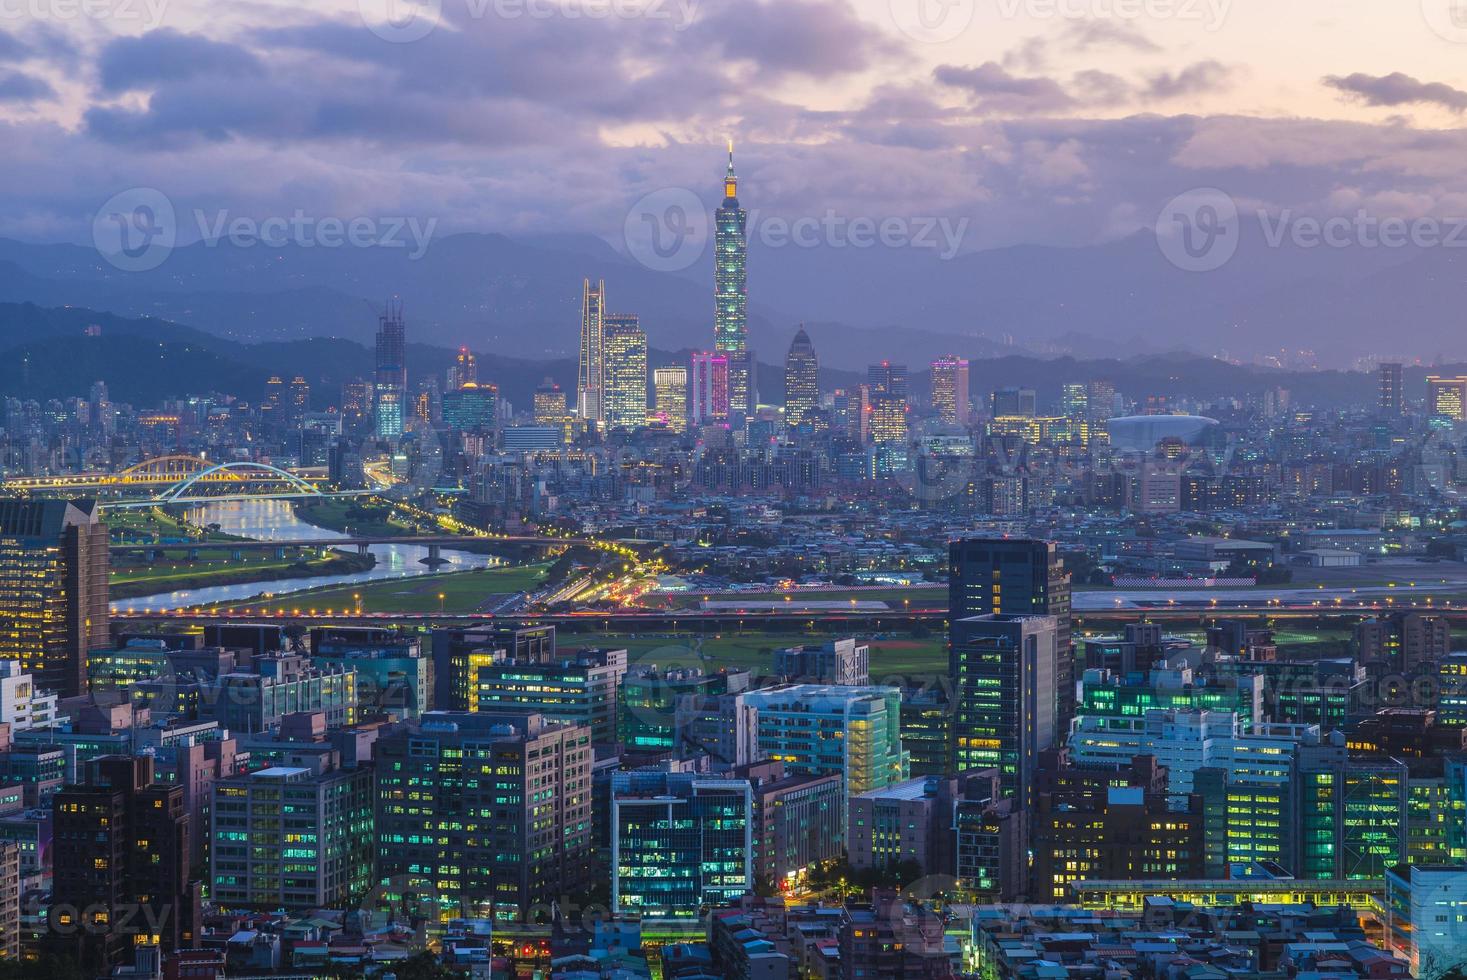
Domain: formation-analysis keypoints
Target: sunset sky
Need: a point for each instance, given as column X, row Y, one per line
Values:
column 1037, row 125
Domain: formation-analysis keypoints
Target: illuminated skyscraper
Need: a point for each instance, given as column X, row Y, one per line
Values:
column 1075, row 401
column 1391, row 388
column 950, row 389
column 465, row 370
column 1016, row 577
column 54, row 567
column 391, row 380
column 592, row 373
column 300, row 400
column 731, row 300
column 1004, row 672
column 489, row 812
column 671, row 387
column 886, row 411
column 1101, row 400
column 624, row 399
column 1446, row 398
column 710, row 394
column 801, row 385
column 551, row 409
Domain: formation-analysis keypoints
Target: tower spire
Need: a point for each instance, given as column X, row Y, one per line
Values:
column 730, row 179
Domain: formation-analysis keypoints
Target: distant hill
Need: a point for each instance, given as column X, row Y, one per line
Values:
column 46, row 353
column 520, row 296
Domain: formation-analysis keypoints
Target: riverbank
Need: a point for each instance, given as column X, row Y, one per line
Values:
column 164, row 578
column 356, row 517
column 450, row 592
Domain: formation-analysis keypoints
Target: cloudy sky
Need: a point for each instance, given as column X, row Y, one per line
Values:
column 1049, row 121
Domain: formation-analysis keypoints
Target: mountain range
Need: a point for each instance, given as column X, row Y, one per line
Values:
column 519, row 297
column 59, row 352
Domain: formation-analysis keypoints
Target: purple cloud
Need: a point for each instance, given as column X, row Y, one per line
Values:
column 1397, row 89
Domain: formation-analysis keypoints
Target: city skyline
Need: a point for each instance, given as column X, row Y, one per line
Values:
column 410, row 569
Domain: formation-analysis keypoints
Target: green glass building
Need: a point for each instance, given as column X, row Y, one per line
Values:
column 681, row 843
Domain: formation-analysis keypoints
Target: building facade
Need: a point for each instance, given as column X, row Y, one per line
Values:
column 484, row 813
column 54, row 567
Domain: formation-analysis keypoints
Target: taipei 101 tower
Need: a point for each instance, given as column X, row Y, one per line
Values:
column 731, row 299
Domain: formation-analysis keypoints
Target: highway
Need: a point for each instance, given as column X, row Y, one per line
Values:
column 348, row 542
column 856, row 621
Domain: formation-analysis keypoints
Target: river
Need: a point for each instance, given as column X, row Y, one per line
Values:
column 276, row 520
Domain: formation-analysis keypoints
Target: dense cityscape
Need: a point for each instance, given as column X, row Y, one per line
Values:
column 391, row 659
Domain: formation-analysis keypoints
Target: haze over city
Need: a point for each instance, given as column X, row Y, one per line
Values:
column 692, row 489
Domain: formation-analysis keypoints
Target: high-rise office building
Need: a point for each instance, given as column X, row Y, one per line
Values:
column 579, row 688
column 825, row 728
column 1101, row 400
column 459, row 654
column 886, row 408
column 1003, row 670
column 390, row 385
column 1075, row 401
column 950, row 389
column 681, row 843
column 299, row 402
column 1353, row 812
column 709, row 399
column 670, row 386
column 801, row 384
column 888, row 379
column 465, row 370
column 54, row 567
column 731, row 297
column 624, row 398
column 295, row 836
column 1015, row 576
column 551, row 408
column 1446, row 397
column 1392, row 388
column 121, row 842
column 489, row 812
column 473, row 407
column 592, row 366
column 1011, row 403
